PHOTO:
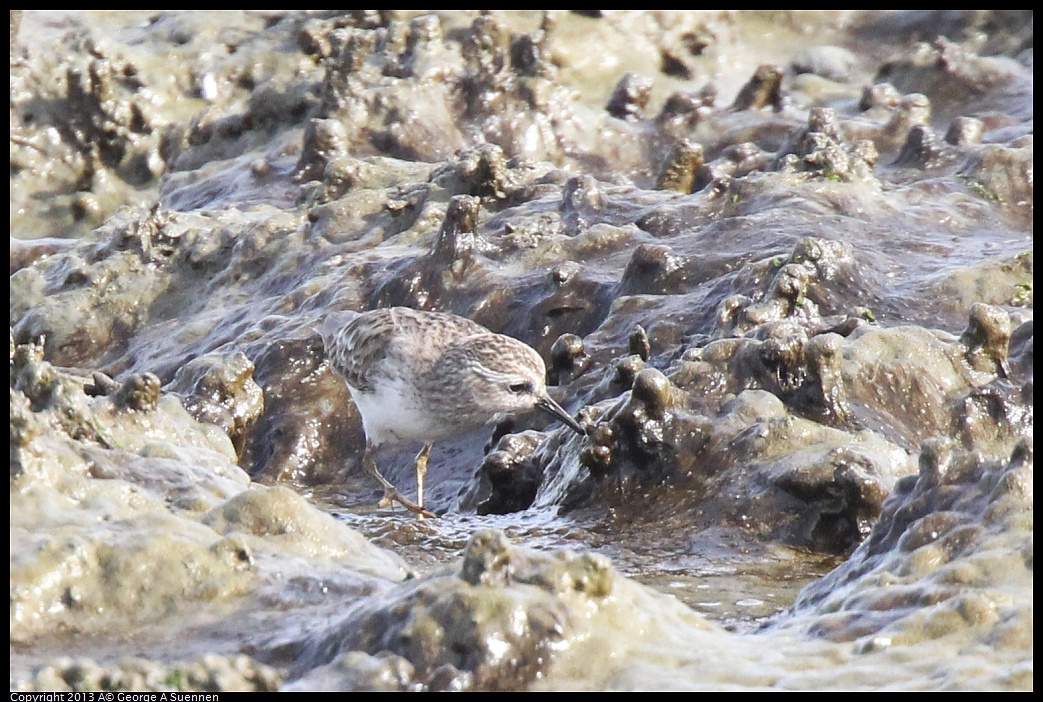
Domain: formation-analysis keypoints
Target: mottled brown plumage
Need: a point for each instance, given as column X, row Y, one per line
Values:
column 424, row 376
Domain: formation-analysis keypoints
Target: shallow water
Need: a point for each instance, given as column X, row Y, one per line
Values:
column 735, row 582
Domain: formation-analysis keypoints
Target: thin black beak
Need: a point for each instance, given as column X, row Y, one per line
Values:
column 552, row 408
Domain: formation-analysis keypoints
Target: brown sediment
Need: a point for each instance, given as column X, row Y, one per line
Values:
column 763, row 302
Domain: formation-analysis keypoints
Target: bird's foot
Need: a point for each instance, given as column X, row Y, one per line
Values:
column 392, row 495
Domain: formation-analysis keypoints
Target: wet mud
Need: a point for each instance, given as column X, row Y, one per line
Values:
column 779, row 266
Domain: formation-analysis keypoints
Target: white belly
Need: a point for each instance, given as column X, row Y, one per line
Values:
column 392, row 413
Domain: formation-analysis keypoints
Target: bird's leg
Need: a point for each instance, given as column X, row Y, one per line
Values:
column 421, row 471
column 391, row 493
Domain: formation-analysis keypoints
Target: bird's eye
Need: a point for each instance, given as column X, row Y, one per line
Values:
column 519, row 387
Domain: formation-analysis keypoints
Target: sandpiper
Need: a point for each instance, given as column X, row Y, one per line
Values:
column 425, row 376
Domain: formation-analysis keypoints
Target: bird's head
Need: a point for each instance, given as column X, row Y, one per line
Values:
column 496, row 374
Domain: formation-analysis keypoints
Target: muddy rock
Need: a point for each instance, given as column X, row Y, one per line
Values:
column 449, row 621
column 221, row 391
column 931, row 543
column 208, row 673
column 768, row 260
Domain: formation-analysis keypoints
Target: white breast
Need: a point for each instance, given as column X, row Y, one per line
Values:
column 392, row 413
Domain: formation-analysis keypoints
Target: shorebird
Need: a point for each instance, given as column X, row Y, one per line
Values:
column 425, row 376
